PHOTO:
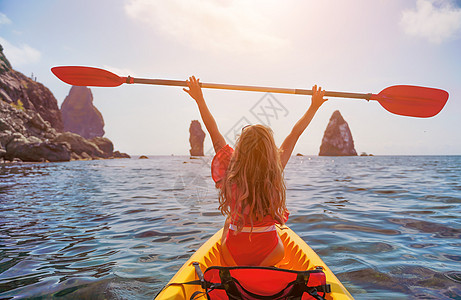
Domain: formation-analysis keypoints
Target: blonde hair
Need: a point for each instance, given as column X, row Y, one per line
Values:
column 254, row 178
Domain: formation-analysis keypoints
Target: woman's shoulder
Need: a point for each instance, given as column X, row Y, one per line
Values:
column 225, row 151
column 220, row 162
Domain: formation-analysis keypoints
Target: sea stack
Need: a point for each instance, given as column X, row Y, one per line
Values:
column 197, row 136
column 337, row 139
column 80, row 116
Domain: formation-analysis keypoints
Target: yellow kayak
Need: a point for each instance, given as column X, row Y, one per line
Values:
column 298, row 256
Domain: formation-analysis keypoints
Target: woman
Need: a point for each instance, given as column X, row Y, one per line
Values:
column 252, row 189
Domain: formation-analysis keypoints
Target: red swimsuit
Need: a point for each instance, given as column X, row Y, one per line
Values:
column 264, row 239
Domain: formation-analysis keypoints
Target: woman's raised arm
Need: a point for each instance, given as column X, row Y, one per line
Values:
column 290, row 141
column 195, row 91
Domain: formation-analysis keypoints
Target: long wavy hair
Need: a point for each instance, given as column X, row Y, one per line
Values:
column 254, row 179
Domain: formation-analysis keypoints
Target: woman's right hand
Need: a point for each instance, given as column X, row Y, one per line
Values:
column 195, row 91
column 317, row 97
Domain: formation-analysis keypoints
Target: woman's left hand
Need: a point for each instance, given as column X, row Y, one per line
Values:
column 195, row 91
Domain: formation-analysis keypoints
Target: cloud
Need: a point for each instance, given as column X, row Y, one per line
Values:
column 224, row 25
column 19, row 56
column 436, row 21
column 4, row 19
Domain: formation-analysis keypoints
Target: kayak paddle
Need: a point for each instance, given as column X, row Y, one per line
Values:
column 404, row 100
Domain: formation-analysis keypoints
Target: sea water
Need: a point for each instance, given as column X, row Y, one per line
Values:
column 389, row 227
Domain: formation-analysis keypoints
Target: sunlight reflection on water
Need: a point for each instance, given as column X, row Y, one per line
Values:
column 389, row 227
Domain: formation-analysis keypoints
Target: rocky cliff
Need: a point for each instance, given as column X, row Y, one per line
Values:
column 80, row 116
column 31, row 124
column 25, row 136
column 197, row 136
column 337, row 139
column 34, row 96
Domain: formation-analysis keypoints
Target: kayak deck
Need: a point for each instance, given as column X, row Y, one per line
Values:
column 298, row 256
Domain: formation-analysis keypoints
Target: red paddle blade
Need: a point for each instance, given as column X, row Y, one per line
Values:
column 87, row 76
column 412, row 101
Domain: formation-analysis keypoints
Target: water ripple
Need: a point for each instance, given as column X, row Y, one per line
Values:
column 439, row 230
column 119, row 229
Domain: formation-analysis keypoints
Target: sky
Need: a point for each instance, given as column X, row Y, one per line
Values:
column 352, row 46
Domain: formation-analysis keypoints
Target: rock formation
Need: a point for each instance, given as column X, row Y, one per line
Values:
column 81, row 147
column 118, row 154
column 29, row 134
column 197, row 136
column 26, row 136
column 337, row 139
column 79, row 115
column 14, row 86
column 104, row 144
